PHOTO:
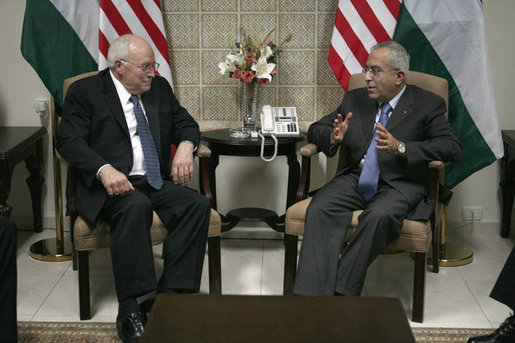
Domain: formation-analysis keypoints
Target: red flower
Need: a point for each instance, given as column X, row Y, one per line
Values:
column 236, row 74
column 262, row 81
column 247, row 76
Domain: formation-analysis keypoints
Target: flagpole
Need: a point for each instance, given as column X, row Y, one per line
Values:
column 54, row 249
column 451, row 254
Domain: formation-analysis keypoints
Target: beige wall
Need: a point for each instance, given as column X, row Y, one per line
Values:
column 198, row 32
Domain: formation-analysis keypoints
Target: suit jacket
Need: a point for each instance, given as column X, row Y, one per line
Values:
column 418, row 120
column 93, row 132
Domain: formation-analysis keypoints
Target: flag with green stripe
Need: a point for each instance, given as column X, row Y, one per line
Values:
column 447, row 39
column 60, row 40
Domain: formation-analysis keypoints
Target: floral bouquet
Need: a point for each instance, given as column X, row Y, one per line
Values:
column 251, row 60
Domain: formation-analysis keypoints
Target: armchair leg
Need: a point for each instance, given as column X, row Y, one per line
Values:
column 290, row 262
column 215, row 269
column 75, row 258
column 435, row 228
column 419, row 287
column 84, row 303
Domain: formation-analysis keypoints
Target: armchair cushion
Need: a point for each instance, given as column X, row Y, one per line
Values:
column 87, row 237
column 415, row 235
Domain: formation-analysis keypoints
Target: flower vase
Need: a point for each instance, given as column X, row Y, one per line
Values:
column 249, row 103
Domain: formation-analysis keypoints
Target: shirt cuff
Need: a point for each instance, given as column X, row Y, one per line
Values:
column 194, row 146
column 99, row 169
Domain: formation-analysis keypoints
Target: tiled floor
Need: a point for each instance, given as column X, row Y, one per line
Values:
column 456, row 297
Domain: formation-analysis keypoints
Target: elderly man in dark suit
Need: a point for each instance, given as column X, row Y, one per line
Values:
column 390, row 131
column 117, row 128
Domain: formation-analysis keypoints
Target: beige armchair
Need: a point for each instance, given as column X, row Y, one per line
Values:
column 416, row 236
column 85, row 238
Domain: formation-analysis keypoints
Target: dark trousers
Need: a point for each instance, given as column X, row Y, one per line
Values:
column 8, row 280
column 186, row 215
column 504, row 288
column 325, row 268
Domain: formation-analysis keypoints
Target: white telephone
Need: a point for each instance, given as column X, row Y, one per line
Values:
column 280, row 121
column 277, row 122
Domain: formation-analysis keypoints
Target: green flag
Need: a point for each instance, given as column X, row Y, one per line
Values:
column 447, row 39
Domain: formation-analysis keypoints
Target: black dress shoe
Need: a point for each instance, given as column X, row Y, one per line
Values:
column 130, row 326
column 146, row 307
column 504, row 334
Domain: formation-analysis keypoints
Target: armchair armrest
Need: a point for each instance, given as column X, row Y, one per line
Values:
column 203, row 151
column 309, row 150
column 204, row 154
column 437, row 164
column 61, row 159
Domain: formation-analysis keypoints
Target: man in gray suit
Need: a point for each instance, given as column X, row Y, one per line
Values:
column 116, row 130
column 390, row 131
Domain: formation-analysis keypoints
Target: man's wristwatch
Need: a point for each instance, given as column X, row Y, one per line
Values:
column 401, row 149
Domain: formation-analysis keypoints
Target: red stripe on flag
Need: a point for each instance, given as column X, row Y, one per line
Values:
column 339, row 69
column 394, row 6
column 103, row 44
column 353, row 42
column 116, row 19
column 151, row 27
column 370, row 19
column 157, row 4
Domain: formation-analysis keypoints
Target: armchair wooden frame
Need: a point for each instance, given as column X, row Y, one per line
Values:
column 416, row 236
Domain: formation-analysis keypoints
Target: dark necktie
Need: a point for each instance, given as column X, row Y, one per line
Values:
column 147, row 143
column 369, row 177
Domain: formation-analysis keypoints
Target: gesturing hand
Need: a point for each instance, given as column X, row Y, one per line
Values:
column 340, row 128
column 386, row 141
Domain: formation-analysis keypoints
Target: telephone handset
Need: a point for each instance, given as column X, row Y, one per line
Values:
column 277, row 122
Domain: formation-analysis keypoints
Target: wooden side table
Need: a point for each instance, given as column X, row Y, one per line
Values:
column 22, row 144
column 507, row 180
column 221, row 143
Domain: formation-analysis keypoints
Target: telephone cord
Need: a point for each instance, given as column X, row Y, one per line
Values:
column 276, row 143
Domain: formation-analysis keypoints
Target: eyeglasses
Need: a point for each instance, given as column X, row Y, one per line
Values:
column 374, row 70
column 146, row 67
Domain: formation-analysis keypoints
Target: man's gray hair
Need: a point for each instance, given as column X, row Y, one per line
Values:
column 118, row 50
column 399, row 57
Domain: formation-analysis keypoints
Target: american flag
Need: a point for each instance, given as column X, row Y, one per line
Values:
column 140, row 17
column 359, row 24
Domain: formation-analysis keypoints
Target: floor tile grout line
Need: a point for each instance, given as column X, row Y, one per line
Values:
column 48, row 294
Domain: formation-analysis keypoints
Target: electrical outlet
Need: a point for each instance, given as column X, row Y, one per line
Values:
column 41, row 106
column 472, row 213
